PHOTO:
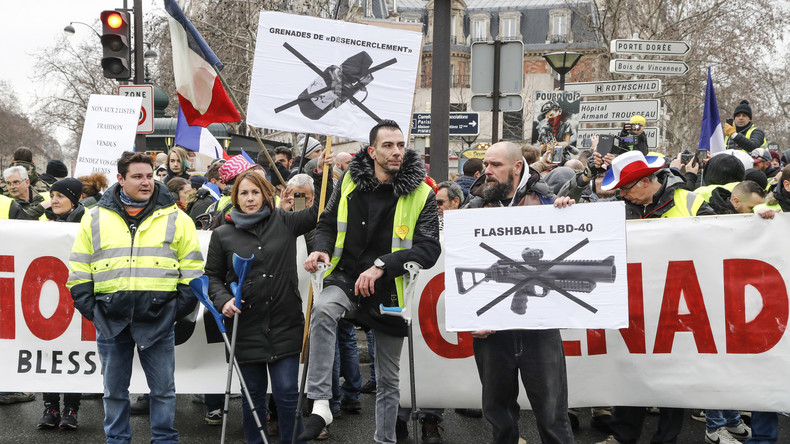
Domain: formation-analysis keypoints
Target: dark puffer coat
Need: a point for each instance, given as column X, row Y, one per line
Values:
column 271, row 317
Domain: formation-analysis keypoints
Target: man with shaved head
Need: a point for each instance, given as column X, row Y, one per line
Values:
column 538, row 355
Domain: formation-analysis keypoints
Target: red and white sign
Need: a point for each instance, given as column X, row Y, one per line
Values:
column 708, row 302
column 145, row 122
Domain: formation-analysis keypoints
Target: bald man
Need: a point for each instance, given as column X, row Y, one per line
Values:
column 537, row 354
column 342, row 160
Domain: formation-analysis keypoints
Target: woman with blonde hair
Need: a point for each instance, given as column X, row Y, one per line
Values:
column 177, row 163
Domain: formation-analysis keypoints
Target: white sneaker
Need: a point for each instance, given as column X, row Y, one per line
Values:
column 741, row 432
column 610, row 440
column 720, row 436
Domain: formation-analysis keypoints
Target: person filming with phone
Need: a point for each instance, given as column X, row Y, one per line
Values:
column 740, row 132
column 633, row 136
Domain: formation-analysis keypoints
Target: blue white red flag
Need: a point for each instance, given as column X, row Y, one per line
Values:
column 200, row 92
column 197, row 138
column 711, row 136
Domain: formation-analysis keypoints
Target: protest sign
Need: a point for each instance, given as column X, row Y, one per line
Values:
column 331, row 77
column 109, row 130
column 556, row 117
column 536, row 267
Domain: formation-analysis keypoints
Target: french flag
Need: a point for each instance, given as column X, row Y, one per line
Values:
column 200, row 92
column 711, row 137
column 197, row 138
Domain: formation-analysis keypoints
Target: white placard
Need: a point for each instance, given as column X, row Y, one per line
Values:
column 109, row 130
column 331, row 77
column 536, row 267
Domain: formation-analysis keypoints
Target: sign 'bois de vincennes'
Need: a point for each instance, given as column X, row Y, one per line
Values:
column 536, row 267
column 331, row 77
column 654, row 67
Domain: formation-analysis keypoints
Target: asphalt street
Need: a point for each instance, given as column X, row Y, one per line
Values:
column 18, row 425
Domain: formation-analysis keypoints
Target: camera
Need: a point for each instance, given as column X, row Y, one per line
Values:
column 685, row 157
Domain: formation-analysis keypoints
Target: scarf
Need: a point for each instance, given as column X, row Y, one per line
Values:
column 246, row 221
column 126, row 200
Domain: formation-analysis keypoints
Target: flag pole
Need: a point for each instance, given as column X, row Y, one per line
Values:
column 252, row 128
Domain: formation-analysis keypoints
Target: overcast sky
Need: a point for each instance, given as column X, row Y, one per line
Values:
column 31, row 25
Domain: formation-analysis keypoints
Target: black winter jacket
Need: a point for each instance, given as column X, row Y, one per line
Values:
column 738, row 141
column 271, row 320
column 371, row 210
column 663, row 200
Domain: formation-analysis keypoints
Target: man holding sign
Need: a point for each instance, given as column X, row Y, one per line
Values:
column 537, row 354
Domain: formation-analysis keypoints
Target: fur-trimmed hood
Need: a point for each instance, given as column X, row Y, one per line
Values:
column 411, row 174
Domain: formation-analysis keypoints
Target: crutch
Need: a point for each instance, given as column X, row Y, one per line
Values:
column 240, row 266
column 317, row 285
column 413, row 271
column 200, row 289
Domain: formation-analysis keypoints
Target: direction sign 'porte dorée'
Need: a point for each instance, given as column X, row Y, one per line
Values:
column 649, row 47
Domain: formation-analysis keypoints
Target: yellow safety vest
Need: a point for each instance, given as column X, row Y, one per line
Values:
column 220, row 204
column 47, row 198
column 164, row 252
column 707, row 190
column 407, row 211
column 776, row 207
column 748, row 135
column 5, row 207
column 687, row 204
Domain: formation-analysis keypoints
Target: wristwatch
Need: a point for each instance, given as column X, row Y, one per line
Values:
column 378, row 263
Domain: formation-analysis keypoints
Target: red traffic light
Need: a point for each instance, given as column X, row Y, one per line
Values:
column 114, row 20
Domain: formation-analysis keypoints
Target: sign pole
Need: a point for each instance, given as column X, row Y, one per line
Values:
column 139, row 140
column 440, row 91
column 495, row 93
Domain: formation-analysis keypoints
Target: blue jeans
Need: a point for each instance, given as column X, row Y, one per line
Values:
column 372, row 352
column 716, row 419
column 346, row 365
column 284, row 374
column 158, row 362
column 765, row 428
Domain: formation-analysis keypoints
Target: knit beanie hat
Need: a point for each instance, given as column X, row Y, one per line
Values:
column 757, row 176
column 744, row 108
column 721, row 170
column 69, row 187
column 312, row 145
column 56, row 168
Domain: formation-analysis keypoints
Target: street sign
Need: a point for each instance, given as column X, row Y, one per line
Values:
column 652, row 47
column 145, row 123
column 619, row 110
column 653, row 67
column 461, row 124
column 651, row 132
column 647, row 86
column 511, row 67
column 512, row 102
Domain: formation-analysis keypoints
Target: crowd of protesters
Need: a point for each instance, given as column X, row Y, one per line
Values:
column 253, row 204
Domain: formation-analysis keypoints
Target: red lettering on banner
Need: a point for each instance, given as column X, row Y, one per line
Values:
column 634, row 335
column 429, row 324
column 7, row 317
column 768, row 327
column 40, row 271
column 682, row 278
column 572, row 348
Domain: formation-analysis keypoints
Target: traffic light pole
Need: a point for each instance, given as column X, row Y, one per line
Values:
column 139, row 73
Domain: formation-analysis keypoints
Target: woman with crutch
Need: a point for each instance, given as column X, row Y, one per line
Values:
column 269, row 334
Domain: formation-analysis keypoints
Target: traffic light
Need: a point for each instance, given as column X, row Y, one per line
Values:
column 115, row 38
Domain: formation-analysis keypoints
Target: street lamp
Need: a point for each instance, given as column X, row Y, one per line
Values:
column 562, row 62
column 69, row 30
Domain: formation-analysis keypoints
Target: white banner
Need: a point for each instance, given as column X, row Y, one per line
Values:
column 536, row 267
column 708, row 305
column 331, row 77
column 109, row 130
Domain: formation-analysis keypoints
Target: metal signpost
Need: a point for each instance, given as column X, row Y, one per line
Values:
column 619, row 110
column 615, row 88
column 461, row 124
column 497, row 70
column 649, row 47
column 653, row 67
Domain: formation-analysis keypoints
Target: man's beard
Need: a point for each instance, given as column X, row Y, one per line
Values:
column 494, row 191
column 391, row 171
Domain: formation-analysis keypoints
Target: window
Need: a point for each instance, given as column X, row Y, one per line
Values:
column 453, row 27
column 480, row 24
column 509, row 25
column 559, row 26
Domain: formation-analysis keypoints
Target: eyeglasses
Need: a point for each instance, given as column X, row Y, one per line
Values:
column 15, row 183
column 636, row 126
column 440, row 202
column 628, row 189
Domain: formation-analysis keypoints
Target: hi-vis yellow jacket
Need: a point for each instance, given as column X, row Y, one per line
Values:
column 126, row 275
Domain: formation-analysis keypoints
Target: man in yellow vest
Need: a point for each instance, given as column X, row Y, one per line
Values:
column 132, row 260
column 740, row 133
column 9, row 209
column 650, row 191
column 381, row 216
column 32, row 203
